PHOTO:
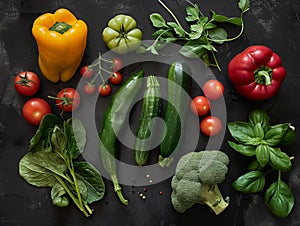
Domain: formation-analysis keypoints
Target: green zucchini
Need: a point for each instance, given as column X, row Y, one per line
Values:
column 151, row 107
column 113, row 121
column 179, row 73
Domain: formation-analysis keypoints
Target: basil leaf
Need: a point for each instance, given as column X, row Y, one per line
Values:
column 218, row 35
column 157, row 20
column 275, row 134
column 92, row 179
column 59, row 195
column 259, row 116
column 280, row 199
column 243, row 132
column 280, row 160
column 254, row 165
column 289, row 136
column 243, row 149
column 259, row 131
column 251, row 182
column 263, row 154
column 39, row 168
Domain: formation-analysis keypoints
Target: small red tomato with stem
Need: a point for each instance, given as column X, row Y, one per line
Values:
column 200, row 105
column 117, row 64
column 213, row 89
column 35, row 109
column 211, row 126
column 27, row 83
column 89, row 88
column 104, row 89
column 86, row 71
column 116, row 78
column 67, row 99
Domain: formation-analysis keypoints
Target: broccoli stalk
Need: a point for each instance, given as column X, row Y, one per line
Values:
column 212, row 197
column 195, row 181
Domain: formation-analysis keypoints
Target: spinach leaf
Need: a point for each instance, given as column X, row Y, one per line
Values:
column 275, row 134
column 263, row 154
column 39, row 168
column 259, row 116
column 251, row 182
column 59, row 142
column 59, row 195
column 243, row 132
column 243, row 149
column 279, row 160
column 279, row 198
column 46, row 126
column 92, row 179
column 76, row 134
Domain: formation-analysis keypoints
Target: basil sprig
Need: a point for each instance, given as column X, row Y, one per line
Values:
column 257, row 138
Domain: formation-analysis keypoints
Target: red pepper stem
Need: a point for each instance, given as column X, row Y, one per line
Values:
column 263, row 75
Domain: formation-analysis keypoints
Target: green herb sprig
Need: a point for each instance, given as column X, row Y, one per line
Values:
column 257, row 138
column 202, row 35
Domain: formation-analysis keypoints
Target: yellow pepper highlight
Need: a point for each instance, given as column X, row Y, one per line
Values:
column 61, row 41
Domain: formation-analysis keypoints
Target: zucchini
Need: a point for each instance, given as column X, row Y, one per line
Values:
column 151, row 107
column 113, row 121
column 179, row 73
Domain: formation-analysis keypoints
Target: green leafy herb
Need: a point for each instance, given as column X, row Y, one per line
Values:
column 203, row 33
column 50, row 162
column 257, row 138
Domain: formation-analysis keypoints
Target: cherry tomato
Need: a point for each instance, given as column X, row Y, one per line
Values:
column 89, row 89
column 211, row 125
column 34, row 110
column 116, row 78
column 104, row 90
column 200, row 105
column 68, row 99
column 117, row 64
column 27, row 83
column 213, row 89
column 86, row 72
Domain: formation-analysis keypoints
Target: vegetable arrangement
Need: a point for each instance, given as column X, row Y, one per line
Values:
column 52, row 162
column 204, row 32
column 257, row 138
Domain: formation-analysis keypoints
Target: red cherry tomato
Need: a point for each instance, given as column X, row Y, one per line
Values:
column 27, row 83
column 117, row 64
column 213, row 89
column 34, row 110
column 211, row 126
column 89, row 89
column 86, row 72
column 116, row 78
column 200, row 105
column 104, row 90
column 68, row 99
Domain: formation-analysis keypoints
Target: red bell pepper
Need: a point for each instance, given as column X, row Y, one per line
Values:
column 256, row 73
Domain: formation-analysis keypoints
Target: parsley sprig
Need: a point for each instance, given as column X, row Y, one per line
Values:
column 202, row 35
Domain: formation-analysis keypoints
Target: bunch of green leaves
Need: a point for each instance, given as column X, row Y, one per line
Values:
column 204, row 32
column 52, row 162
column 257, row 138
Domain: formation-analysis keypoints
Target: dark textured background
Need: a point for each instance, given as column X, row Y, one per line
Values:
column 274, row 23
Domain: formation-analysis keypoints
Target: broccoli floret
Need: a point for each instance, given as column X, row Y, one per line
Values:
column 195, row 181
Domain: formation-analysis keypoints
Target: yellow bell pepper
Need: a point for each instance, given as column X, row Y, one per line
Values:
column 61, row 41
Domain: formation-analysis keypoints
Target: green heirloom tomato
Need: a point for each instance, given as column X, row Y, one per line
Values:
column 122, row 35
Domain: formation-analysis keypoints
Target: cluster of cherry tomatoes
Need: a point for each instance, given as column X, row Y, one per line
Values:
column 213, row 90
column 105, row 88
column 27, row 83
